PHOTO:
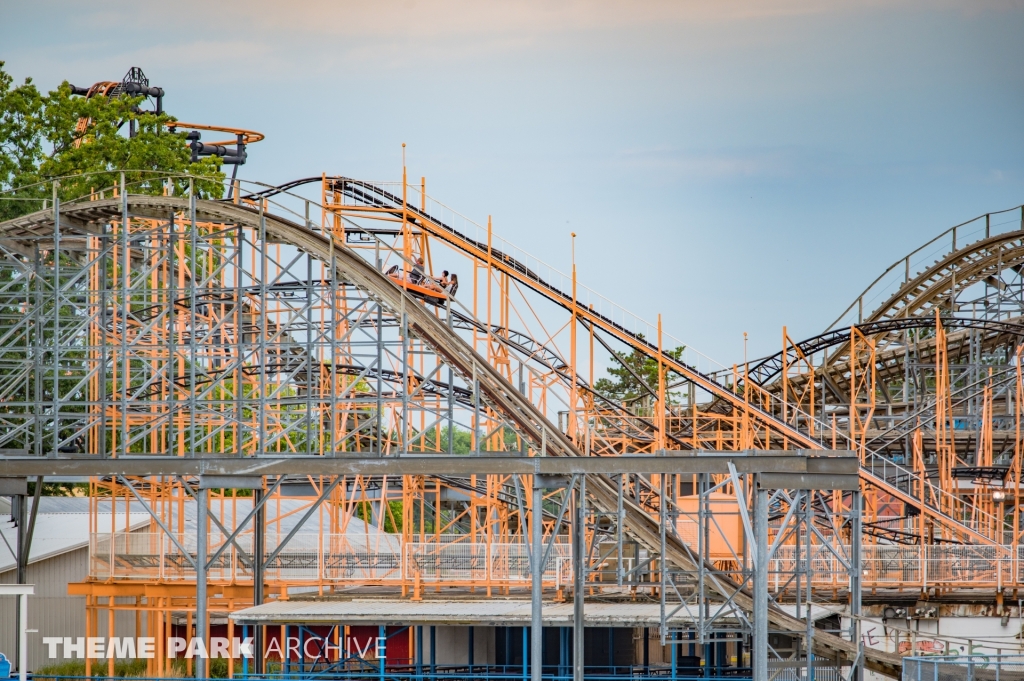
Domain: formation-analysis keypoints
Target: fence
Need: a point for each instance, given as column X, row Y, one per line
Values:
column 385, row 558
column 965, row 668
column 314, row 557
column 895, row 565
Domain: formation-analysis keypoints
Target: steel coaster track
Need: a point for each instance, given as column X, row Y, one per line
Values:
column 368, row 193
column 929, row 285
column 92, row 211
column 432, row 330
column 766, row 369
column 376, row 197
column 521, row 342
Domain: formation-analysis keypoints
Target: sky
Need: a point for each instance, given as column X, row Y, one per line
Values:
column 736, row 166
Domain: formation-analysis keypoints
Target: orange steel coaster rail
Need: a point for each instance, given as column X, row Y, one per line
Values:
column 206, row 333
column 737, row 419
column 203, row 328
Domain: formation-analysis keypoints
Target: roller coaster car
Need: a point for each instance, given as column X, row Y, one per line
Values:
column 432, row 295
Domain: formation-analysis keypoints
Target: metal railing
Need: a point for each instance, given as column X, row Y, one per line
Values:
column 387, row 558
column 330, row 557
column 968, row 667
column 898, row 565
column 924, row 256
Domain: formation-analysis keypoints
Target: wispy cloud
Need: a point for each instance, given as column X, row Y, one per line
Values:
column 721, row 164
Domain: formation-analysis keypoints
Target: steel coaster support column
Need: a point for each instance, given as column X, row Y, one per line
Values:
column 809, row 571
column 451, row 389
column 674, row 652
column 310, row 352
column 18, row 513
column 856, row 506
column 380, row 379
column 382, row 635
column 477, row 430
column 579, row 577
column 171, row 369
column 536, row 593
column 332, row 295
column 201, row 568
column 799, row 569
column 620, row 513
column 56, row 313
column 38, row 345
column 192, row 322
column 433, row 651
column 403, row 444
column 26, row 528
column 662, row 572
column 263, row 402
column 242, row 349
column 703, row 605
column 257, row 577
column 759, row 663
column 526, row 654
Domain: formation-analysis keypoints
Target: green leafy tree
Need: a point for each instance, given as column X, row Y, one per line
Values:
column 61, row 489
column 392, row 516
column 83, row 143
column 623, row 385
column 41, row 140
column 21, row 144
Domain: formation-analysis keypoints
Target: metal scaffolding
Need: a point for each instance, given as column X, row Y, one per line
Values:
column 294, row 371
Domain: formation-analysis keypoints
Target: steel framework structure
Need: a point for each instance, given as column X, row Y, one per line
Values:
column 264, row 330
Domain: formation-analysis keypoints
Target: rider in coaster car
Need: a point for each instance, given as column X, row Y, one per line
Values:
column 417, row 274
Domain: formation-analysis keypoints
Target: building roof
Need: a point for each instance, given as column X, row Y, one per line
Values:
column 492, row 612
column 62, row 525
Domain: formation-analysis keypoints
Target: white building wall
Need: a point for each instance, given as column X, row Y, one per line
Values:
column 452, row 645
column 51, row 610
column 961, row 636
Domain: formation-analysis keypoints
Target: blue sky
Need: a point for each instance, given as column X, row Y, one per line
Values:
column 734, row 165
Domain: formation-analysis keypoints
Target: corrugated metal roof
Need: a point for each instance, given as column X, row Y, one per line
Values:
column 57, row 533
column 63, row 523
column 494, row 612
column 51, row 504
column 290, row 511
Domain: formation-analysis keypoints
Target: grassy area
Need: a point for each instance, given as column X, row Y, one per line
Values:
column 122, row 668
column 135, row 669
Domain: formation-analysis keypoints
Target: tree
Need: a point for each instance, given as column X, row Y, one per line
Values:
column 624, row 386
column 41, row 140
column 81, row 142
column 21, row 147
column 61, row 489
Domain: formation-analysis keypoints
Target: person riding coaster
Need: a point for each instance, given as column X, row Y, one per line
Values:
column 419, row 284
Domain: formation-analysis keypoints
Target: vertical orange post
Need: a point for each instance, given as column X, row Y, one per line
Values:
column 1017, row 453
column 488, row 271
column 661, row 391
column 573, row 394
column 862, row 388
column 406, row 232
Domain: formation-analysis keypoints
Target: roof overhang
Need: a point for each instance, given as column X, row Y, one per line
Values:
column 492, row 612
